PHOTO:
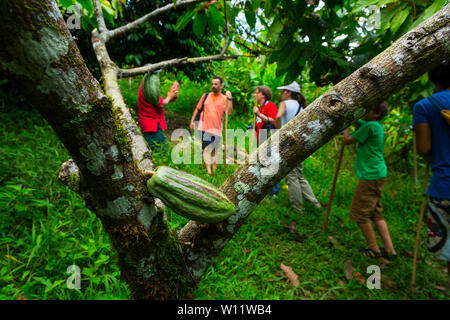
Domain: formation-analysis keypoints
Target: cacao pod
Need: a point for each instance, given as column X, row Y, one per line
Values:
column 190, row 196
column 151, row 88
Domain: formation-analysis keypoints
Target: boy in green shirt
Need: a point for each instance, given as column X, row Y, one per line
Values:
column 371, row 171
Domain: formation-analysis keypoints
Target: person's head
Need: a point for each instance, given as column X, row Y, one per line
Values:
column 440, row 76
column 263, row 92
column 292, row 92
column 377, row 113
column 217, row 84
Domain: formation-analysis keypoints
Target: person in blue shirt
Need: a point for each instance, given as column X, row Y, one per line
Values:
column 432, row 133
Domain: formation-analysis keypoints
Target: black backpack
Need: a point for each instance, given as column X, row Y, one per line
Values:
column 197, row 116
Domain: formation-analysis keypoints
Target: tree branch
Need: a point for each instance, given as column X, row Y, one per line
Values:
column 99, row 16
column 136, row 23
column 174, row 62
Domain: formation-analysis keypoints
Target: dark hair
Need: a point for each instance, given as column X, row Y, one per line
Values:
column 265, row 91
column 441, row 74
column 383, row 109
column 220, row 79
column 299, row 97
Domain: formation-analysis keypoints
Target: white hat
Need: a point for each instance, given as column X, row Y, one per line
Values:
column 293, row 87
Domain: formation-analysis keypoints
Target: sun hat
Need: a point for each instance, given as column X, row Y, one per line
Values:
column 293, row 87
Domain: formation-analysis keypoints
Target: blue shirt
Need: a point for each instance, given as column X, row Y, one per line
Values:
column 429, row 111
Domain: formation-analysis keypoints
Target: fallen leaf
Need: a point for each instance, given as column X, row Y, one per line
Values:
column 292, row 226
column 290, row 274
column 348, row 268
column 359, row 277
column 334, row 242
column 246, row 250
column 342, row 283
column 409, row 253
column 388, row 283
column 440, row 288
column 341, row 223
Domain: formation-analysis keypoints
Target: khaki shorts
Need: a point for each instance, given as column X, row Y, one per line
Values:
column 366, row 202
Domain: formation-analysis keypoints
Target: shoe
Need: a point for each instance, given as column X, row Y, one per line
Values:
column 389, row 256
column 368, row 252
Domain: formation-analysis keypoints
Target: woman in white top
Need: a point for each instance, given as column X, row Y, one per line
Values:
column 293, row 103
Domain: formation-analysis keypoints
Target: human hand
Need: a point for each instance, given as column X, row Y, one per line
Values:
column 255, row 110
column 228, row 94
column 192, row 126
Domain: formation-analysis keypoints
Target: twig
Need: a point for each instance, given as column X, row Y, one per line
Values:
column 333, row 186
column 419, row 228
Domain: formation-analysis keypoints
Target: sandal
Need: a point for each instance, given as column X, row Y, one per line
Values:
column 368, row 252
column 389, row 256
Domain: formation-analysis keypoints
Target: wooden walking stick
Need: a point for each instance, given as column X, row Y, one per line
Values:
column 225, row 142
column 416, row 182
column 253, row 128
column 419, row 227
column 330, row 200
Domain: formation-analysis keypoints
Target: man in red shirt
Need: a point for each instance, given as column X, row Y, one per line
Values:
column 152, row 119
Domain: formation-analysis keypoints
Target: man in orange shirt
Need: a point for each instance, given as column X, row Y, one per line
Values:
column 210, row 121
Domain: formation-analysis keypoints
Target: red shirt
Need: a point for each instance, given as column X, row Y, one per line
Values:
column 149, row 115
column 269, row 109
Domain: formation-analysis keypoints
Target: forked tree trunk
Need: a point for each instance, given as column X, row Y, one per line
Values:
column 41, row 57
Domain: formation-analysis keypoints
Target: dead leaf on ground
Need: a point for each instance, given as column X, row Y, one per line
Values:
column 290, row 274
column 387, row 283
column 409, row 253
column 359, row 277
column 348, row 269
column 246, row 250
column 441, row 288
column 293, row 226
column 334, row 242
column 341, row 222
column 342, row 283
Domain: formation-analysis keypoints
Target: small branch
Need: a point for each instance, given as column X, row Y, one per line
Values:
column 99, row 15
column 174, row 62
column 136, row 23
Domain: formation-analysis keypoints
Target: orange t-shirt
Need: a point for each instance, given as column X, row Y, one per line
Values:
column 212, row 116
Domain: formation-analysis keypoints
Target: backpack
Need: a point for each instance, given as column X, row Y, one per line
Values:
column 197, row 116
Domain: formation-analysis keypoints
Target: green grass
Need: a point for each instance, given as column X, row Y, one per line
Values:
column 45, row 228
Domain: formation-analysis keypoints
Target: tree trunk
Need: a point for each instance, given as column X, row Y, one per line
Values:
column 40, row 55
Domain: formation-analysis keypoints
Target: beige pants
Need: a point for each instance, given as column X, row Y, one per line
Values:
column 299, row 188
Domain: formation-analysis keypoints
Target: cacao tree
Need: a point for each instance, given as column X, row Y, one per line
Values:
column 110, row 156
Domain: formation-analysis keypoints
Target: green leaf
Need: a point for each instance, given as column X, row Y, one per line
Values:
column 363, row 4
column 184, row 20
column 66, row 3
column 268, row 6
column 215, row 19
column 251, row 19
column 399, row 18
column 199, row 24
column 435, row 7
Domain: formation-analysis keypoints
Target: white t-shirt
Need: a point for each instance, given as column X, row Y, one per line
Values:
column 291, row 109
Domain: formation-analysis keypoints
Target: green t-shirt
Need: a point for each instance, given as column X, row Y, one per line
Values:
column 369, row 163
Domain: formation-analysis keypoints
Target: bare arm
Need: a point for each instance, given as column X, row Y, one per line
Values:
column 347, row 138
column 280, row 114
column 423, row 139
column 229, row 102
